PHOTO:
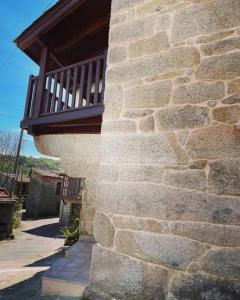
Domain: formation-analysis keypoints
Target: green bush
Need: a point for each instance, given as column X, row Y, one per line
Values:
column 17, row 215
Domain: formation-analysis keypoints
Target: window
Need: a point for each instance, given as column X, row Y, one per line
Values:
column 58, row 188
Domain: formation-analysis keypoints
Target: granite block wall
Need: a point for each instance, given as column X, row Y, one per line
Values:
column 167, row 204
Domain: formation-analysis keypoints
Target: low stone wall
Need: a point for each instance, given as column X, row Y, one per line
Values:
column 168, row 206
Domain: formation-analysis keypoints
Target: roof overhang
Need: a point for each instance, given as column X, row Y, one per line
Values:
column 65, row 28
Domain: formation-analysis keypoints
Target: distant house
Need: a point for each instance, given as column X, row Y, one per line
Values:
column 44, row 194
column 21, row 185
column 71, row 200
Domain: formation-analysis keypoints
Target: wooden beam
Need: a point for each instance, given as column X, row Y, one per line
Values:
column 41, row 82
column 46, row 22
column 50, row 52
column 64, row 130
column 65, row 116
column 88, row 31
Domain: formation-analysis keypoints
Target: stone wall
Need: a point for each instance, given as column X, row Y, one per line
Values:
column 168, row 206
column 79, row 158
column 42, row 199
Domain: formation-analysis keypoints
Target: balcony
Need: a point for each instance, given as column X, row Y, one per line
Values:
column 68, row 99
column 69, row 43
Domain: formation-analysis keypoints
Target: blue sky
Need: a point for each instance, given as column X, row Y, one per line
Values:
column 15, row 66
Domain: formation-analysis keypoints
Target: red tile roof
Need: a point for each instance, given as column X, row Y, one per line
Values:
column 4, row 193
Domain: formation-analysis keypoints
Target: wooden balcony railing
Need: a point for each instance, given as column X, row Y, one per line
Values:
column 71, row 189
column 66, row 94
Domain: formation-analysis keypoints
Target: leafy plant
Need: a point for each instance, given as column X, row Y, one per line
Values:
column 71, row 233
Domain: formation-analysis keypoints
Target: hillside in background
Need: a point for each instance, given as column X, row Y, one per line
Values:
column 28, row 162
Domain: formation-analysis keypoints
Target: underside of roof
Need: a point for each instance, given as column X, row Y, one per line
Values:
column 73, row 30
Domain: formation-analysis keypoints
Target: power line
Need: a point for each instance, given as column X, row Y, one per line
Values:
column 11, row 54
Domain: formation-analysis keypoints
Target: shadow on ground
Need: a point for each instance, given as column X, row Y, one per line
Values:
column 30, row 289
column 49, row 260
column 49, row 230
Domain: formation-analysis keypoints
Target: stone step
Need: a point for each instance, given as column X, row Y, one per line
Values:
column 80, row 247
column 69, row 276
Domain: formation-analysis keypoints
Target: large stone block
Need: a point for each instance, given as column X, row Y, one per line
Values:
column 232, row 99
column 214, row 37
column 221, row 46
column 158, row 42
column 147, row 124
column 108, row 172
column 214, row 142
column 221, row 235
column 198, row 164
column 178, row 58
column 119, row 126
column 126, row 32
column 137, row 113
column 103, row 230
column 226, row 66
column 141, row 173
column 163, row 22
column 190, row 179
column 182, row 117
column 118, row 19
column 138, row 148
column 165, row 202
column 113, row 99
column 205, row 17
column 141, row 224
column 203, row 287
column 169, row 250
column 182, row 157
column 126, row 278
column 117, row 54
column 224, row 176
column 150, row 95
column 234, row 86
column 222, row 262
column 118, row 5
column 227, row 114
column 155, row 6
column 198, row 92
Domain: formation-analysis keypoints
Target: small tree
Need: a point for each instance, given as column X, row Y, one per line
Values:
column 8, row 148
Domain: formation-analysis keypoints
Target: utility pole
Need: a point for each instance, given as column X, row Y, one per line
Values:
column 16, row 162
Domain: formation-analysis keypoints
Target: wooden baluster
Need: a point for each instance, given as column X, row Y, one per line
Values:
column 41, row 83
column 33, row 100
column 48, row 102
column 52, row 109
column 90, row 67
column 83, row 68
column 67, row 89
column 59, row 106
column 29, row 97
column 97, row 75
column 74, row 89
column 104, row 74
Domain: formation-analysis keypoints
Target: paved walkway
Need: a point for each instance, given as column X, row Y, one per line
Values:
column 24, row 259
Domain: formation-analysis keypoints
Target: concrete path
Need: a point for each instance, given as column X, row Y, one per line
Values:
column 24, row 259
